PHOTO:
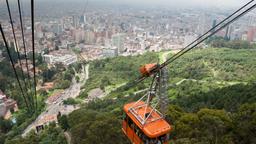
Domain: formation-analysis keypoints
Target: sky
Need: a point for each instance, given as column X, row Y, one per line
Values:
column 168, row 3
column 179, row 3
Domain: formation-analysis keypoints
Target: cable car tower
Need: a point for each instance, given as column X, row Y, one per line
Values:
column 143, row 122
column 157, row 90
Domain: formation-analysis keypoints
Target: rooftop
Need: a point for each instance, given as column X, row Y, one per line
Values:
column 46, row 119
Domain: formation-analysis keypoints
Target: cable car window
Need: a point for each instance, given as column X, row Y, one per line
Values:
column 129, row 121
column 163, row 138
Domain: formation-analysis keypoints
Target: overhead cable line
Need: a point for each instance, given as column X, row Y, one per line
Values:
column 16, row 45
column 24, row 47
column 209, row 33
column 14, row 69
column 212, row 29
column 23, row 38
column 33, row 48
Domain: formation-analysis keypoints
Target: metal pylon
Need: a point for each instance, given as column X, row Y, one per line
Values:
column 162, row 93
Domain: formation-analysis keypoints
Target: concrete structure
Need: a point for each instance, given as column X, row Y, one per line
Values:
column 109, row 52
column 7, row 105
column 79, row 35
column 82, row 19
column 251, row 34
column 118, row 41
column 57, row 28
column 46, row 120
column 89, row 37
column 65, row 59
column 75, row 21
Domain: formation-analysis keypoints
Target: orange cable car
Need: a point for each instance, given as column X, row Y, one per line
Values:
column 146, row 69
column 144, row 124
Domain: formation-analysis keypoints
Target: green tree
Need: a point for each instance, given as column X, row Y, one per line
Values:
column 215, row 126
column 77, row 79
column 89, row 126
column 245, row 124
column 70, row 101
column 5, row 125
column 67, row 76
column 63, row 121
column 188, row 126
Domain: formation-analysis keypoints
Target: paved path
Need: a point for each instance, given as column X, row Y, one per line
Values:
column 68, row 137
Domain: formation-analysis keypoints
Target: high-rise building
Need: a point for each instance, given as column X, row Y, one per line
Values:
column 251, row 34
column 79, row 35
column 74, row 21
column 118, row 41
column 227, row 34
column 214, row 24
column 90, row 37
column 57, row 28
column 82, row 19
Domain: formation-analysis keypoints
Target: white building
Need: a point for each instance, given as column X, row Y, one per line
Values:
column 118, row 41
column 65, row 59
column 109, row 52
column 7, row 105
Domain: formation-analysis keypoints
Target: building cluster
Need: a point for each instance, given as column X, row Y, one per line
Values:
column 108, row 33
column 7, row 106
column 61, row 56
column 250, row 34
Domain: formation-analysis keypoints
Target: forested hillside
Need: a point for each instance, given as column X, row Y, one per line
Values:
column 212, row 96
column 115, row 71
column 212, row 99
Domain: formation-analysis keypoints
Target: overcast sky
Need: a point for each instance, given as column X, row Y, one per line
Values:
column 180, row 3
column 170, row 3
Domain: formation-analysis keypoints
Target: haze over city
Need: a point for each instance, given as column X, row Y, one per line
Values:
column 172, row 3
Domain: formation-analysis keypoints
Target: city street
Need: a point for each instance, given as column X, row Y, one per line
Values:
column 57, row 106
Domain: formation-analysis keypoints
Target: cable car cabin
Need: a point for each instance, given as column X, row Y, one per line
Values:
column 146, row 69
column 144, row 125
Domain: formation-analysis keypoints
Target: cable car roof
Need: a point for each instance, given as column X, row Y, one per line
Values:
column 154, row 126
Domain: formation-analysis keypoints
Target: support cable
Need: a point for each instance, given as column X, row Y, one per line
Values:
column 16, row 45
column 24, row 46
column 210, row 30
column 14, row 69
column 33, row 49
column 202, row 38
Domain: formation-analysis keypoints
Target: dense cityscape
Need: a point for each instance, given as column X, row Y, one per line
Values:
column 71, row 39
column 100, row 33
